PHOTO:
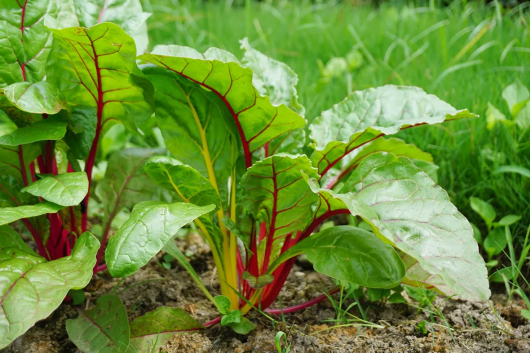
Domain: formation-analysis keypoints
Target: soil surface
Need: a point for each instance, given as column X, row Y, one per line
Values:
column 476, row 327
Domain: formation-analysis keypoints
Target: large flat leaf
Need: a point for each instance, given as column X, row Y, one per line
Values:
column 126, row 183
column 277, row 194
column 31, row 289
column 409, row 211
column 126, row 13
column 24, row 40
column 53, row 128
column 104, row 328
column 365, row 115
column 11, row 214
column 148, row 229
column 67, row 189
column 350, row 254
column 40, row 98
column 257, row 120
column 96, row 67
column 151, row 331
column 272, row 78
column 197, row 128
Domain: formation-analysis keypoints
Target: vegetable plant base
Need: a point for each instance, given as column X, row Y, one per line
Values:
column 506, row 331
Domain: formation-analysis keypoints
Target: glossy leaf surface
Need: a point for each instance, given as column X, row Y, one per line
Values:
column 31, row 288
column 67, row 189
column 148, row 229
column 53, row 128
column 11, row 214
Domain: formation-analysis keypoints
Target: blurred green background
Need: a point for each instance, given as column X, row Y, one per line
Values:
column 464, row 52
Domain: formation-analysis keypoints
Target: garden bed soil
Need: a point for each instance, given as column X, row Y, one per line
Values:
column 478, row 327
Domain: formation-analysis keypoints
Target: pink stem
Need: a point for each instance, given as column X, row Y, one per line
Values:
column 302, row 306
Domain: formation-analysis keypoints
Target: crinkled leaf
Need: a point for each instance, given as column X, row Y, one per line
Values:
column 189, row 185
column 11, row 214
column 393, row 145
column 148, row 229
column 196, row 127
column 52, row 128
column 350, row 254
column 272, row 78
column 40, row 98
column 150, row 331
column 292, row 142
column 516, row 96
column 67, row 189
column 24, row 40
column 366, row 115
column 406, row 209
column 126, row 13
column 31, row 288
column 277, row 194
column 104, row 328
column 96, row 67
column 126, row 183
column 257, row 119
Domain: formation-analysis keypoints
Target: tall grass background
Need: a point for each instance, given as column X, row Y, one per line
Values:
column 465, row 53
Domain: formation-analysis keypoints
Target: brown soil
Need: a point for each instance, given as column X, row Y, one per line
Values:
column 478, row 327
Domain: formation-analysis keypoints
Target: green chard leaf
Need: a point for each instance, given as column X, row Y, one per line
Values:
column 53, row 128
column 366, row 115
column 24, row 40
column 516, row 96
column 126, row 13
column 393, row 145
column 148, row 229
column 125, row 183
column 257, row 120
column 39, row 98
column 31, row 288
column 276, row 193
column 67, row 189
column 9, row 240
column 104, row 328
column 350, row 254
column 11, row 214
column 151, row 331
column 407, row 210
column 96, row 70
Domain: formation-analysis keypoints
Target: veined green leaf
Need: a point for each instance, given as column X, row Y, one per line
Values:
column 196, row 126
column 125, row 183
column 9, row 239
column 189, row 185
column 128, row 14
column 11, row 158
column 366, row 115
column 151, row 331
column 516, row 96
column 31, row 288
column 96, row 68
column 350, row 254
column 67, row 189
column 277, row 194
column 39, row 98
column 104, row 328
column 272, row 78
column 257, row 282
column 24, row 40
column 484, row 210
column 407, row 210
column 11, row 214
column 148, row 229
column 393, row 145
column 257, row 120
column 53, row 128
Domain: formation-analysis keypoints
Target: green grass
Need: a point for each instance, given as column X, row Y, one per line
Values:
column 434, row 48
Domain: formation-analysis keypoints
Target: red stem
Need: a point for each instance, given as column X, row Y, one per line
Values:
column 22, row 17
column 302, row 306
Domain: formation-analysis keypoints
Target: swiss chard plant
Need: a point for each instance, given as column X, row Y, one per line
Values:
column 236, row 134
